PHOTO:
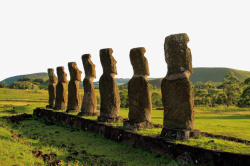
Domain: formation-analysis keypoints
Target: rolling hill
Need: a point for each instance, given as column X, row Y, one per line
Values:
column 35, row 75
column 208, row 74
column 202, row 74
column 205, row 74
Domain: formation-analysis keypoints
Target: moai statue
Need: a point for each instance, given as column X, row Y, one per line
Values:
column 61, row 95
column 74, row 97
column 109, row 92
column 52, row 88
column 89, row 102
column 139, row 94
column 177, row 91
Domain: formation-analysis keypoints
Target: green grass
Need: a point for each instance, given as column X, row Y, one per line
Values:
column 230, row 121
column 15, row 152
column 65, row 143
column 18, row 96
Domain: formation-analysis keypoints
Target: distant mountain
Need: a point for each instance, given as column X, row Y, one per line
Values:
column 35, row 75
column 205, row 74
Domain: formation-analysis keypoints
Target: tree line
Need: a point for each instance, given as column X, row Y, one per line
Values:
column 25, row 83
column 231, row 91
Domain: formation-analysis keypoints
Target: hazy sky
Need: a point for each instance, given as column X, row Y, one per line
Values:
column 36, row 35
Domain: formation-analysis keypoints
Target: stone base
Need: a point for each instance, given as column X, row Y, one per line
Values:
column 72, row 111
column 110, row 119
column 50, row 106
column 137, row 126
column 179, row 134
column 88, row 114
column 59, row 108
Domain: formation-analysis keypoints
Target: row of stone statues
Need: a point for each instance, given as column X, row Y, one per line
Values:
column 177, row 92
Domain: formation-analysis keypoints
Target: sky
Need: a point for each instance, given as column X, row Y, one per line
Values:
column 37, row 35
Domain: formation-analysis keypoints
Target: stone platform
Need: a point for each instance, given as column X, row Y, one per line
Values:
column 137, row 126
column 88, row 114
column 179, row 134
column 158, row 145
column 110, row 119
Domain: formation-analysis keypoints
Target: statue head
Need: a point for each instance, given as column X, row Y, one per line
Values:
column 108, row 61
column 177, row 54
column 75, row 73
column 52, row 76
column 62, row 76
column 88, row 65
column 139, row 61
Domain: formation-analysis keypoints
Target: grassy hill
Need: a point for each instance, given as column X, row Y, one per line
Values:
column 202, row 74
column 206, row 74
column 35, row 75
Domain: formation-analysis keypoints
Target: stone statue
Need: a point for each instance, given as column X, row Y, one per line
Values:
column 74, row 97
column 140, row 106
column 177, row 91
column 109, row 92
column 52, row 88
column 61, row 95
column 89, row 102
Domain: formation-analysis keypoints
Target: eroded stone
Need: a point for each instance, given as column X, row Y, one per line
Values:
column 61, row 94
column 74, row 97
column 52, row 88
column 140, row 106
column 177, row 91
column 89, row 103
column 109, row 92
column 178, row 56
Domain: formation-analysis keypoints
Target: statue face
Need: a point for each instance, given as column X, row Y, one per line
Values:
column 113, row 65
column 75, row 73
column 88, row 65
column 62, row 76
column 108, row 61
column 177, row 54
column 139, row 61
column 52, row 77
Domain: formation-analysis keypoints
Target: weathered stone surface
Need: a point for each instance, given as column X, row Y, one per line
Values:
column 89, row 102
column 139, row 61
column 52, row 88
column 109, row 92
column 178, row 56
column 130, row 125
column 178, row 102
column 74, row 97
column 108, row 62
column 61, row 94
column 177, row 92
column 139, row 93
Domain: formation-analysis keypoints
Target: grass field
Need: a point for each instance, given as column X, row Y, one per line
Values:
column 230, row 121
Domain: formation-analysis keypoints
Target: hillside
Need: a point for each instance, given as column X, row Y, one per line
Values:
column 202, row 74
column 35, row 75
column 206, row 74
